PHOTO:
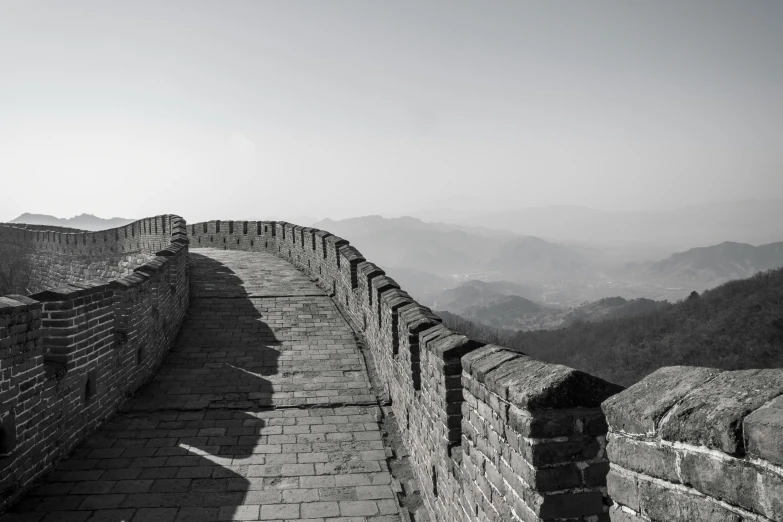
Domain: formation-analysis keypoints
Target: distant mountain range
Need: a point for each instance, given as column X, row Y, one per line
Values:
column 360, row 226
column 82, row 221
column 750, row 221
column 445, row 249
column 531, row 256
column 713, row 264
column 431, row 260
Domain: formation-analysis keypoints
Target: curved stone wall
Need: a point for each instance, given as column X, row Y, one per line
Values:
column 63, row 255
column 492, row 434
column 73, row 353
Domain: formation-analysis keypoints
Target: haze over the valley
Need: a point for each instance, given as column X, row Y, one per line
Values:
column 507, row 279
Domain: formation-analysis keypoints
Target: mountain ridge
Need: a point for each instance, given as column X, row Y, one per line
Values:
column 713, row 264
column 754, row 221
column 82, row 221
column 446, row 249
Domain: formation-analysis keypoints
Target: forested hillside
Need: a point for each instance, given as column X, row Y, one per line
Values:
column 711, row 265
column 499, row 305
column 737, row 325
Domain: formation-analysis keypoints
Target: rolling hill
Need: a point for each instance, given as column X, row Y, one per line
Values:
column 716, row 264
column 738, row 325
column 526, row 256
column 445, row 250
column 497, row 305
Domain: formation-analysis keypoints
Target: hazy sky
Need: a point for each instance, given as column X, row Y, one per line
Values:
column 338, row 108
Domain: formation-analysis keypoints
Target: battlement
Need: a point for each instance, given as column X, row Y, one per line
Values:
column 61, row 255
column 72, row 353
column 145, row 235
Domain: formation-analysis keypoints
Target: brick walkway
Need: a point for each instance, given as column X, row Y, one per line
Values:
column 262, row 411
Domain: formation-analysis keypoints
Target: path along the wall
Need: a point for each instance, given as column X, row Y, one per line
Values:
column 262, row 410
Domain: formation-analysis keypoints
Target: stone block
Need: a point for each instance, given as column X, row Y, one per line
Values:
column 661, row 503
column 531, row 384
column 623, row 489
column 735, row 481
column 618, row 514
column 571, row 505
column 485, row 359
column 650, row 458
column 712, row 414
column 763, row 430
column 638, row 409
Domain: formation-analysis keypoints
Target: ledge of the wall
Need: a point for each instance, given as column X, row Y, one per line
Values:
column 532, row 384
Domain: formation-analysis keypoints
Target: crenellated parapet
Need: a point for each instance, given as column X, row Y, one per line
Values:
column 59, row 255
column 144, row 235
column 72, row 354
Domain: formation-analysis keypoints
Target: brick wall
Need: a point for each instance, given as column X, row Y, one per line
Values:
column 691, row 444
column 60, row 255
column 71, row 355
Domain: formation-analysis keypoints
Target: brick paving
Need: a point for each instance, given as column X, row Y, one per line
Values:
column 261, row 411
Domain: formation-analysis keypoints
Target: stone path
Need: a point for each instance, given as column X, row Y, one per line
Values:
column 261, row 411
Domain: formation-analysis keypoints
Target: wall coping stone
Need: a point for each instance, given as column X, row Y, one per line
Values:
column 336, row 241
column 383, row 282
column 712, row 414
column 67, row 292
column 22, row 299
column 448, row 345
column 152, row 266
column 531, row 384
column 639, row 409
column 395, row 298
column 763, row 430
column 130, row 280
column 368, row 268
column 351, row 254
column 7, row 304
column 485, row 359
column 417, row 318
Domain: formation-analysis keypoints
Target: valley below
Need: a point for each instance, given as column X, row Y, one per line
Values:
column 503, row 279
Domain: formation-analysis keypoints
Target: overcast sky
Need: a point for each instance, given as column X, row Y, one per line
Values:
column 338, row 108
